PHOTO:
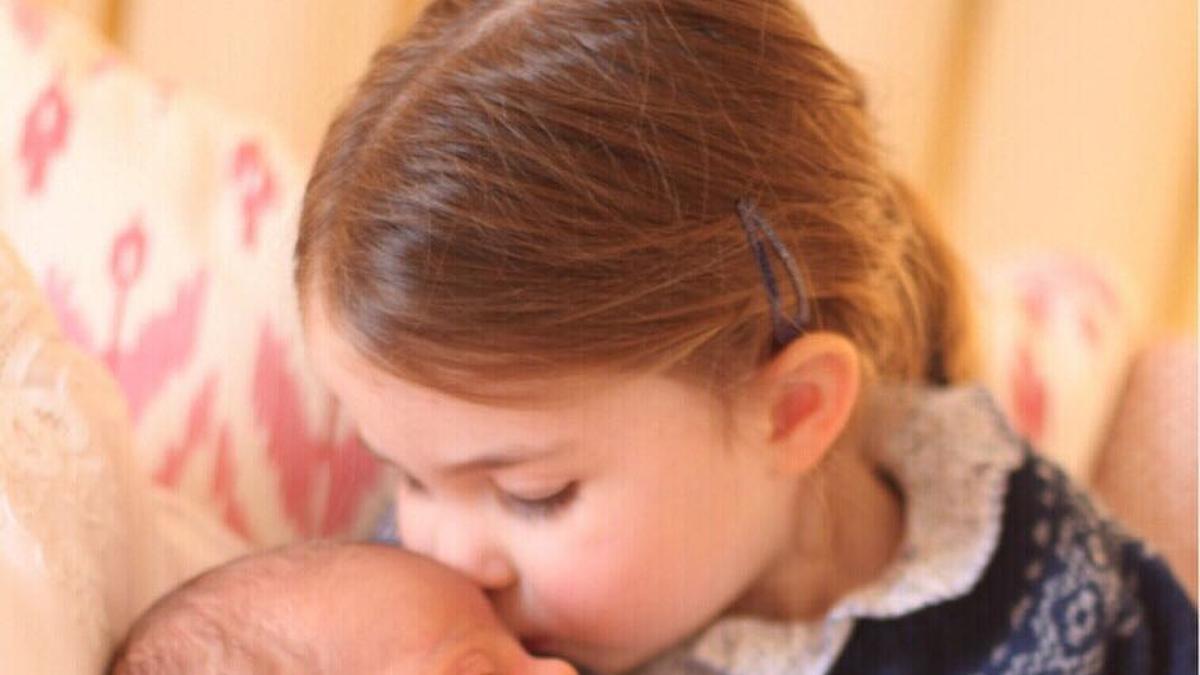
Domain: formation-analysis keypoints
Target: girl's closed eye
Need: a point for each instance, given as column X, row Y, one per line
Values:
column 411, row 484
column 525, row 503
column 539, row 506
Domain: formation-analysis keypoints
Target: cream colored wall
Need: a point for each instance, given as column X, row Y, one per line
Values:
column 1045, row 125
column 1081, row 135
column 288, row 61
column 99, row 13
column 911, row 55
column 1032, row 125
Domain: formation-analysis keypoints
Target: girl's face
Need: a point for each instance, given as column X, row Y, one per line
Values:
column 603, row 530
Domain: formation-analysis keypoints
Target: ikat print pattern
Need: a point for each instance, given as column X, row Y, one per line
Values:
column 1057, row 333
column 160, row 230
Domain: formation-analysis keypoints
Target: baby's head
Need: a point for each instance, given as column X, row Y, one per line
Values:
column 325, row 608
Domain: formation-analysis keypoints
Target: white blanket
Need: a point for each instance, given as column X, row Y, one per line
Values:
column 85, row 542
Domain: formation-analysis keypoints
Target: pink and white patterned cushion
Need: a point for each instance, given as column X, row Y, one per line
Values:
column 1058, row 335
column 161, row 230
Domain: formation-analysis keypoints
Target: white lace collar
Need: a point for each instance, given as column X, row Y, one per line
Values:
column 951, row 458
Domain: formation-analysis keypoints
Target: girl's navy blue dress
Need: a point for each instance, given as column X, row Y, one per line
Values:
column 1065, row 592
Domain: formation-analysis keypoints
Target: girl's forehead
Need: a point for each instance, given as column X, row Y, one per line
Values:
column 350, row 375
column 392, row 414
column 333, row 358
column 342, row 367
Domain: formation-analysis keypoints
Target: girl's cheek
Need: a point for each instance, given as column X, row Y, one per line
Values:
column 581, row 576
column 590, row 584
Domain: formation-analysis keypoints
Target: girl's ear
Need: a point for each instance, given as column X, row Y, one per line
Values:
column 810, row 389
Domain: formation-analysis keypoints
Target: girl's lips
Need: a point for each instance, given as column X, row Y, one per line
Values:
column 532, row 642
column 536, row 645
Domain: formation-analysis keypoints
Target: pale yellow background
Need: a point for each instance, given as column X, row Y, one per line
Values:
column 1033, row 124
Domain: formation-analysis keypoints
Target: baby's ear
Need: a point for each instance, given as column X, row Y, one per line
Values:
column 810, row 389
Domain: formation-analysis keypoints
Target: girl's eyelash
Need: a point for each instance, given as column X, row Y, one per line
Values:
column 545, row 506
column 410, row 482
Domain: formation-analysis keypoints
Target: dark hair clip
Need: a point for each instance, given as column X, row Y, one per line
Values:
column 757, row 228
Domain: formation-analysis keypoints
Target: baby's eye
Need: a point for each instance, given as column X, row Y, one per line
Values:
column 540, row 506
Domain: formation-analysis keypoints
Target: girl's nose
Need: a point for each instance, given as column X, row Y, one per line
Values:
column 469, row 549
column 456, row 538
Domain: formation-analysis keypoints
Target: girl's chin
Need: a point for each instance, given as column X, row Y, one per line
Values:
column 549, row 648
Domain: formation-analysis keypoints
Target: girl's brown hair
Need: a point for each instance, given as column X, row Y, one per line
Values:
column 520, row 190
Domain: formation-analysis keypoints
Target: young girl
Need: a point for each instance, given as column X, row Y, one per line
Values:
column 671, row 366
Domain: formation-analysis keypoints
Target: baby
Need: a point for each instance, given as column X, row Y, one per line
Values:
column 326, row 608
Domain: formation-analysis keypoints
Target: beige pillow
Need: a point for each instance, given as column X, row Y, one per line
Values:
column 68, row 519
column 84, row 543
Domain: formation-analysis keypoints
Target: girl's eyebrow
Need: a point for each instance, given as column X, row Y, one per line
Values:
column 499, row 458
column 503, row 457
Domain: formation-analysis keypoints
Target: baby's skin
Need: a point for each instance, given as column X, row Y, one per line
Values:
column 327, row 608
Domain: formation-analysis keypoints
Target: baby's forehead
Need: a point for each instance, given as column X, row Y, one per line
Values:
column 390, row 576
column 394, row 561
column 374, row 601
column 351, row 604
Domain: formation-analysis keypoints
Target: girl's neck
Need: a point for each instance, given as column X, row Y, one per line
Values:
column 846, row 531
